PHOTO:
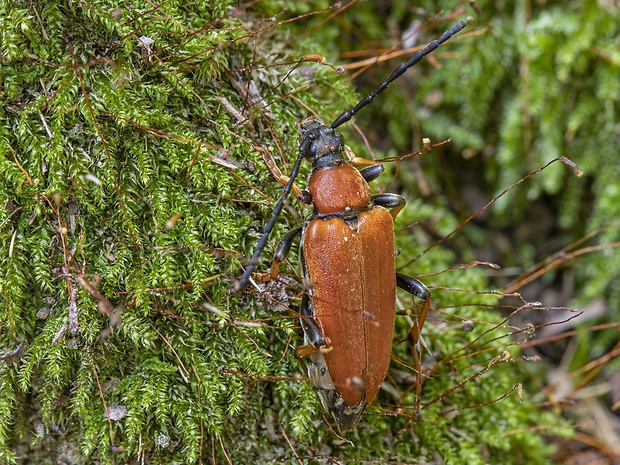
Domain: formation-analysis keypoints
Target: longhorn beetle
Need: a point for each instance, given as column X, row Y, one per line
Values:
column 347, row 259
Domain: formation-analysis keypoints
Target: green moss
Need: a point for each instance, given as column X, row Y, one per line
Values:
column 126, row 163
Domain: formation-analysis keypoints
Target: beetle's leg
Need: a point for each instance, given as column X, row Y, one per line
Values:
column 360, row 162
column 312, row 331
column 356, row 161
column 284, row 247
column 372, row 172
column 415, row 287
column 394, row 202
column 311, row 328
column 282, row 179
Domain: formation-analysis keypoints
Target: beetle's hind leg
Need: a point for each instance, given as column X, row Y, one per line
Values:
column 314, row 338
column 317, row 345
column 418, row 289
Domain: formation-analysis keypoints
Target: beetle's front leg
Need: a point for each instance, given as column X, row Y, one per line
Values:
column 281, row 178
column 393, row 202
column 282, row 251
column 372, row 172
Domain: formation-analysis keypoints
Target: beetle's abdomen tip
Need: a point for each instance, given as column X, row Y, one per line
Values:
column 348, row 417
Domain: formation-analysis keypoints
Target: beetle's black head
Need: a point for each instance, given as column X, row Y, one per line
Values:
column 320, row 144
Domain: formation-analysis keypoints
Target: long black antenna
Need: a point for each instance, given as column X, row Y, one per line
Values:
column 343, row 118
column 402, row 68
column 243, row 280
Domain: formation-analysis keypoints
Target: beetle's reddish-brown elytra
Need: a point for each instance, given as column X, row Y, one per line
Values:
column 347, row 257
